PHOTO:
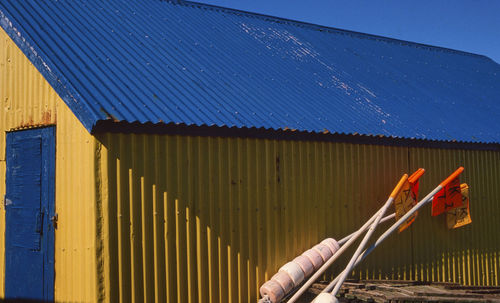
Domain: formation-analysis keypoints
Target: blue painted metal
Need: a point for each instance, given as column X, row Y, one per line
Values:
column 157, row 61
column 29, row 233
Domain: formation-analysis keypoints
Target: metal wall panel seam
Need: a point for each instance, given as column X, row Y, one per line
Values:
column 100, row 192
column 108, row 292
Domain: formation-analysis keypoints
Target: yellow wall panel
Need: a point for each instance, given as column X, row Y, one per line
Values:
column 434, row 244
column 77, row 269
column 27, row 100
column 483, row 177
column 201, row 219
column 469, row 254
column 208, row 219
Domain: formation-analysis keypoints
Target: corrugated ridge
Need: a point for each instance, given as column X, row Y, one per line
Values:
column 326, row 29
column 282, row 134
column 180, row 68
column 25, row 99
column 205, row 219
column 78, row 255
column 29, row 101
column 45, row 67
column 467, row 255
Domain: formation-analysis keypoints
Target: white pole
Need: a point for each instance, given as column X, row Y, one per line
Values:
column 424, row 201
column 383, row 220
column 346, row 238
column 327, row 264
column 385, row 234
column 368, row 235
column 339, row 252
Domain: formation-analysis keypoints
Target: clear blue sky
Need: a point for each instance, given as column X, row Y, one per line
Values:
column 472, row 26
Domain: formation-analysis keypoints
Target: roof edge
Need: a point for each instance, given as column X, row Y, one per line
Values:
column 44, row 66
column 110, row 126
column 326, row 28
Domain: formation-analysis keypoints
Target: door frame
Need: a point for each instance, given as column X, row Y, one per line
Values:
column 48, row 158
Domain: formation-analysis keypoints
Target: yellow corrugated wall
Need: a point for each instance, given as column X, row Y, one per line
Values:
column 210, row 219
column 468, row 255
column 77, row 233
column 26, row 98
column 28, row 101
column 203, row 219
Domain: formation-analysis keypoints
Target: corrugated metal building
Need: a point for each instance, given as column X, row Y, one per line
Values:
column 182, row 152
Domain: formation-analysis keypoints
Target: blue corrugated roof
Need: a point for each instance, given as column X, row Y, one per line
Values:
column 156, row 61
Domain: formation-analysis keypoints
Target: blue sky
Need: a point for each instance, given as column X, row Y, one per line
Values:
column 472, row 26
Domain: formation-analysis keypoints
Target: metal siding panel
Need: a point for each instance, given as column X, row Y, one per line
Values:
column 431, row 237
column 109, row 254
column 234, row 210
column 27, row 101
column 78, row 257
column 469, row 254
column 163, row 62
column 377, row 170
column 484, row 180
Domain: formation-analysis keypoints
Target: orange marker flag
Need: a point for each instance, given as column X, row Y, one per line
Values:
column 407, row 198
column 449, row 197
column 460, row 216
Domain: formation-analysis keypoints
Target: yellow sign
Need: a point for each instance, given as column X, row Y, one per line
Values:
column 460, row 216
column 407, row 198
column 403, row 203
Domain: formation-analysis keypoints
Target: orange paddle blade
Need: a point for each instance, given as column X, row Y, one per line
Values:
column 450, row 196
column 408, row 198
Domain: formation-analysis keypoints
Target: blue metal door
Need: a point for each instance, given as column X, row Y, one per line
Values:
column 29, row 205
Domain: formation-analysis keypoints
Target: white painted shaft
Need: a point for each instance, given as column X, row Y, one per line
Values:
column 388, row 232
column 324, row 297
column 327, row 264
column 383, row 220
column 361, row 246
